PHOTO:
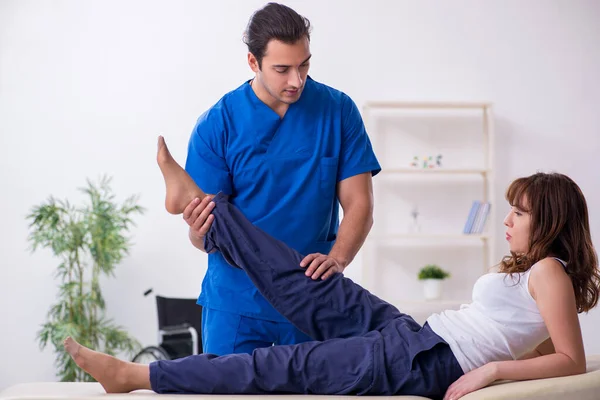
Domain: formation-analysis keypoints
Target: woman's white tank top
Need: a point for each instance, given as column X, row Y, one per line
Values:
column 501, row 323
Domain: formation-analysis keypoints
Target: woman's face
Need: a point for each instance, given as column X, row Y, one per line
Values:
column 518, row 224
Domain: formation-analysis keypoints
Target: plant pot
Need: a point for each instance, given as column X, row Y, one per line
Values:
column 432, row 289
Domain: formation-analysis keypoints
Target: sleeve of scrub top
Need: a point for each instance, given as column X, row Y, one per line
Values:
column 356, row 153
column 206, row 161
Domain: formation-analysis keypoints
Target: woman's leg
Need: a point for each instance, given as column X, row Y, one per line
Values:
column 333, row 308
column 338, row 366
column 115, row 376
column 323, row 309
column 395, row 361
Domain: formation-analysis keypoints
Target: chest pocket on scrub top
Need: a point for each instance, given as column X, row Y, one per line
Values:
column 328, row 176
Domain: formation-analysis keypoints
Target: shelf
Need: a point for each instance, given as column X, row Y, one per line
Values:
column 429, row 239
column 433, row 236
column 463, row 131
column 434, row 171
column 425, row 105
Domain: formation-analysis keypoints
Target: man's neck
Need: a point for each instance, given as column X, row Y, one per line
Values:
column 277, row 106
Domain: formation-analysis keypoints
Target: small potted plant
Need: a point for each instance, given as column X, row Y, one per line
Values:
column 432, row 276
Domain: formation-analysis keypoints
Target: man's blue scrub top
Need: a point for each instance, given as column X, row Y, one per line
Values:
column 280, row 172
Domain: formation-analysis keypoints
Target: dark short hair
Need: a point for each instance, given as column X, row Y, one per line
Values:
column 274, row 21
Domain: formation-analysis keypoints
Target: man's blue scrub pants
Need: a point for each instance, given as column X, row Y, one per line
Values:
column 362, row 345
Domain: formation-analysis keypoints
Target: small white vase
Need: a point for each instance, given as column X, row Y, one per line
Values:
column 432, row 289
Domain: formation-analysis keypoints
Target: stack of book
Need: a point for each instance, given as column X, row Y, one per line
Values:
column 477, row 217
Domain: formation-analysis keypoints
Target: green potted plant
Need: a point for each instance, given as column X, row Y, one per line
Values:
column 432, row 276
column 89, row 240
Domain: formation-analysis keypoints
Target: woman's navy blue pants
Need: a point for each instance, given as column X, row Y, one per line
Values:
column 362, row 345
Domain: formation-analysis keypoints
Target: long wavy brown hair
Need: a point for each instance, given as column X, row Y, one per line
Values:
column 559, row 228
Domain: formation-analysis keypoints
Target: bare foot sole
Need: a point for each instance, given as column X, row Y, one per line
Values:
column 181, row 188
column 109, row 371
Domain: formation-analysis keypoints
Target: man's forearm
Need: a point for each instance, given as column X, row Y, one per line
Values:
column 353, row 231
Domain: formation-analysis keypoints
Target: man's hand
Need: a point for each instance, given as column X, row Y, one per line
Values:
column 321, row 265
column 198, row 216
column 471, row 381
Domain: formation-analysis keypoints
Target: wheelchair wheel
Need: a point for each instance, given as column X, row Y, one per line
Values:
column 150, row 354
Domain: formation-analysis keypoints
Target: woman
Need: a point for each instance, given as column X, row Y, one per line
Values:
column 522, row 323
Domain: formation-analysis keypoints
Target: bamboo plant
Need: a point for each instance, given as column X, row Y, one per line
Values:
column 89, row 240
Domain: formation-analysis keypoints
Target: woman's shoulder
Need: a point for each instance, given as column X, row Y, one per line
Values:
column 546, row 271
column 548, row 264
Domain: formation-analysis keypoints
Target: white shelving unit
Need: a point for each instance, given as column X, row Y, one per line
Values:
column 463, row 171
column 393, row 253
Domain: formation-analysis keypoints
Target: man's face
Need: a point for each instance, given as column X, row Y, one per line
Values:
column 284, row 69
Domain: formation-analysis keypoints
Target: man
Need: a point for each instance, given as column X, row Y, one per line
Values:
column 287, row 151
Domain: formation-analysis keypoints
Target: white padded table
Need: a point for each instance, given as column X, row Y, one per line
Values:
column 93, row 391
column 580, row 387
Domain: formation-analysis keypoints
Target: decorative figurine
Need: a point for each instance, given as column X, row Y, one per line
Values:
column 427, row 162
column 414, row 226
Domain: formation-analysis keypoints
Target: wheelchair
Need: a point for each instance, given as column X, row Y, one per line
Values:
column 179, row 327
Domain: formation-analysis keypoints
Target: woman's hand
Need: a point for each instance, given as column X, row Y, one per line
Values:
column 471, row 381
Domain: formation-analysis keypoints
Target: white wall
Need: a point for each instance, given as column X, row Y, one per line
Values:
column 85, row 88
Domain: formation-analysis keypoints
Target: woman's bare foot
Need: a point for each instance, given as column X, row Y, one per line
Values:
column 181, row 188
column 114, row 375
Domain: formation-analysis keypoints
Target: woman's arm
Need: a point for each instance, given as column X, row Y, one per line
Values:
column 553, row 292
column 560, row 355
column 546, row 347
